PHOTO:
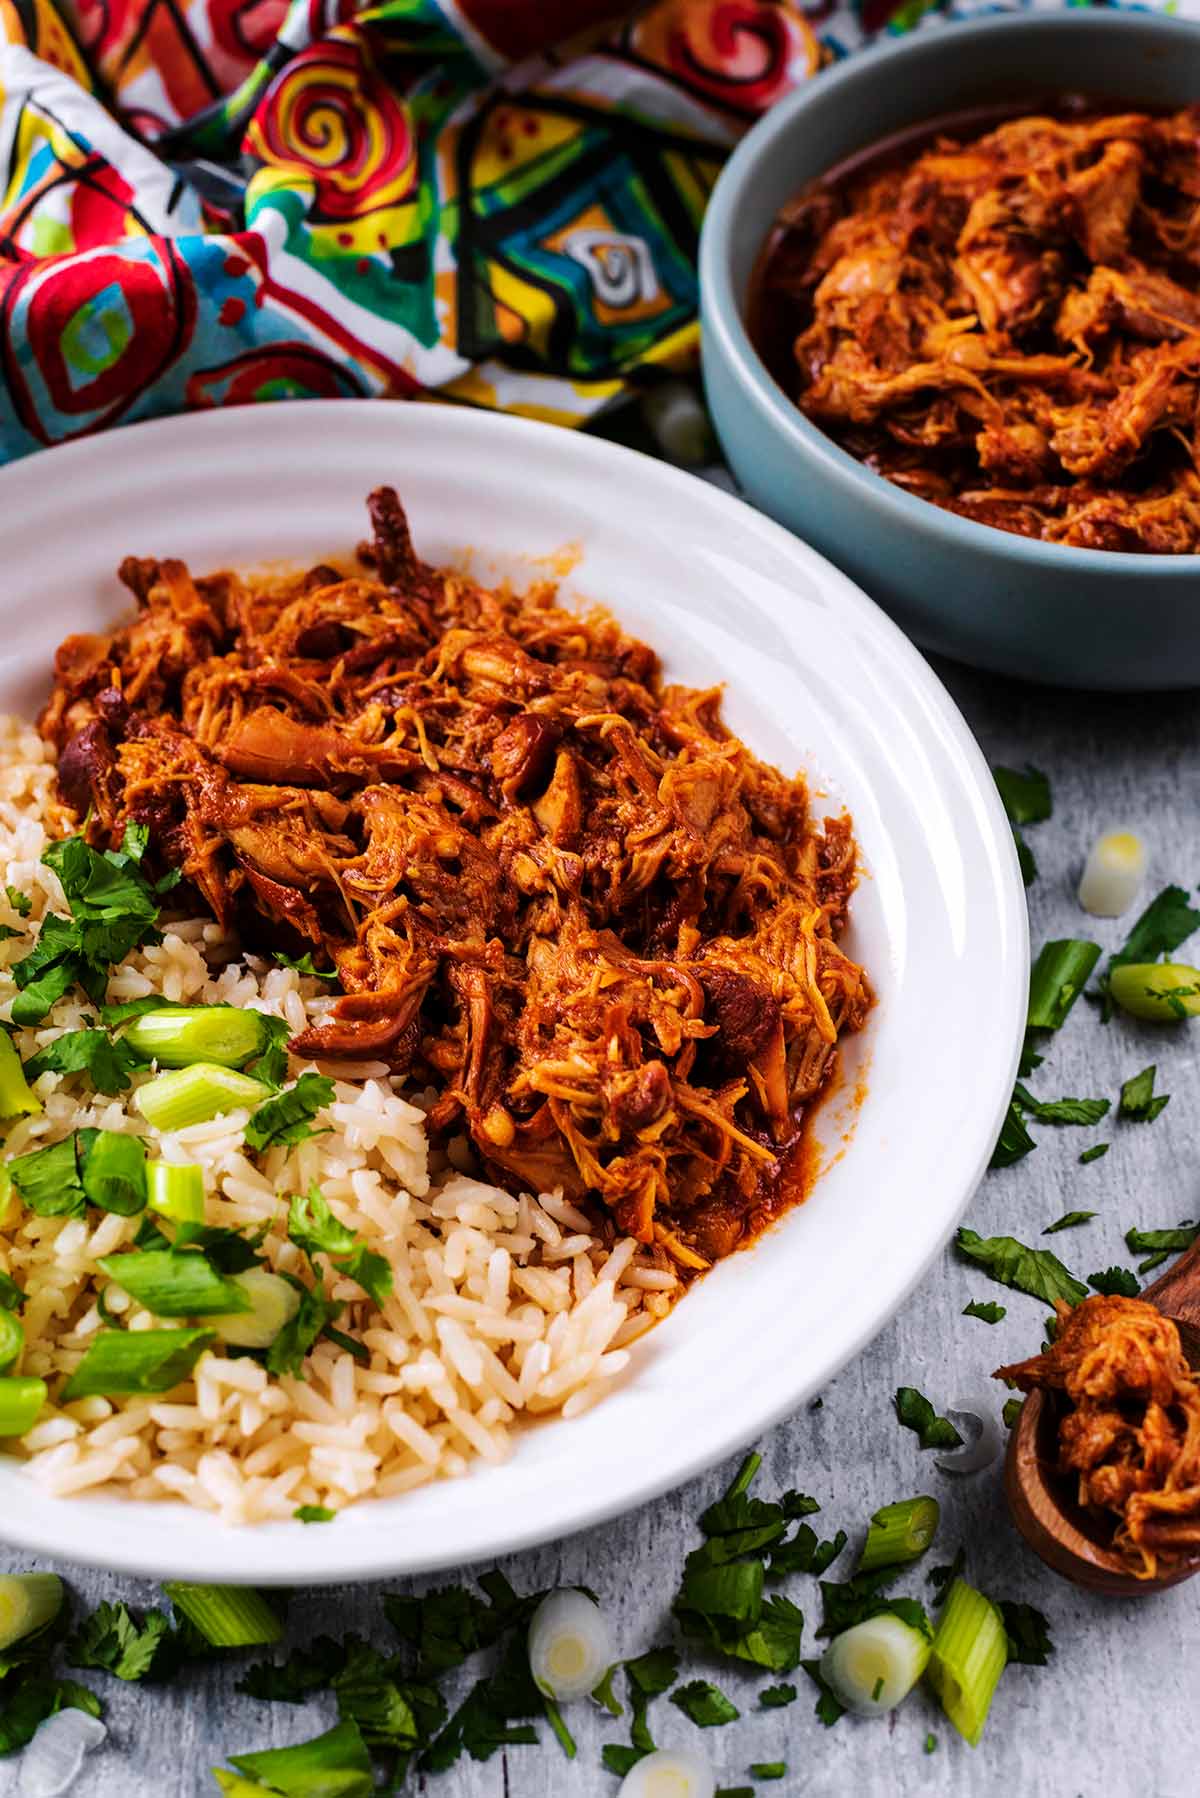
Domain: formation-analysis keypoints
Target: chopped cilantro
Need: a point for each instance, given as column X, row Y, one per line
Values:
column 1011, row 1412
column 12, row 1298
column 1035, row 1271
column 1156, row 1245
column 1028, row 1632
column 768, row 1770
column 1061, row 1111
column 917, row 1414
column 1095, row 1152
column 986, row 1309
column 827, row 1709
column 705, row 1704
column 21, row 903
column 313, row 1228
column 802, row 1553
column 288, row 1118
column 317, row 1312
column 942, row 1578
column 303, row 964
column 113, row 1640
column 293, row 1681
column 649, row 1675
column 1024, row 793
column 931, row 1743
column 1139, row 1102
column 1014, row 1141
column 616, row 1758
column 493, row 1715
column 773, row 1698
column 1119, row 1280
column 313, row 1514
column 1068, row 1221
column 107, row 1064
column 1167, row 922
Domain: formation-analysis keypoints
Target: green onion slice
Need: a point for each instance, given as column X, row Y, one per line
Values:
column 970, row 1649
column 874, row 1665
column 1057, row 978
column 17, row 1097
column 180, row 1036
column 12, row 1339
column 21, row 1400
column 174, row 1283
column 176, row 1192
column 121, row 1361
column 269, row 1304
column 1160, row 992
column 28, row 1602
column 900, row 1532
column 226, row 1616
column 195, row 1094
column 334, row 1765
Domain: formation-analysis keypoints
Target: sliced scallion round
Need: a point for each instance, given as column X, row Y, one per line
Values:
column 21, row 1400
column 12, row 1339
column 179, row 1036
column 970, row 1650
column 176, row 1192
column 873, row 1666
column 900, row 1532
column 196, row 1094
column 570, row 1645
column 669, row 1773
column 1162, row 992
column 1113, row 874
column 273, row 1303
column 28, row 1601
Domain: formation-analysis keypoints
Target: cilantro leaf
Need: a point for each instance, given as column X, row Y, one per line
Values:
column 1024, row 793
column 303, row 964
column 773, row 1698
column 48, row 1180
column 1028, row 1632
column 12, row 1298
column 308, row 1670
column 288, row 1118
column 32, row 1698
column 1014, row 1141
column 1167, row 922
column 1119, row 1280
column 986, row 1310
column 491, row 1716
column 449, row 1624
column 917, row 1414
column 1035, row 1271
column 827, row 1709
column 802, row 1553
column 649, row 1675
column 1068, row 1221
column 388, row 1710
column 942, row 1578
column 270, row 1065
column 286, row 1354
column 616, row 1758
column 1139, row 1102
column 705, row 1704
column 112, row 1639
column 1061, row 1111
column 21, row 903
column 108, row 1065
column 313, row 1228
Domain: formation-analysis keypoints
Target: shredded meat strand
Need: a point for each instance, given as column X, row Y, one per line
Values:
column 553, row 888
column 1007, row 325
column 1132, row 1432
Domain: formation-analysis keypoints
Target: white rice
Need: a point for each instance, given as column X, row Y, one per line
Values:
column 503, row 1308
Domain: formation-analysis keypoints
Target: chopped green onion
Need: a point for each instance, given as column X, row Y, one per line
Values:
column 334, row 1765
column 1057, row 978
column 12, row 1339
column 871, row 1667
column 28, row 1602
column 1161, row 992
column 8, row 1197
column 270, row 1304
column 113, row 1170
column 313, row 1514
column 20, row 1402
column 899, row 1532
column 226, row 1616
column 669, row 1773
column 570, row 1645
column 120, row 1361
column 970, row 1649
column 1139, row 1101
column 180, row 1036
column 175, row 1282
column 195, row 1094
column 17, row 1097
column 1113, row 874
column 176, row 1192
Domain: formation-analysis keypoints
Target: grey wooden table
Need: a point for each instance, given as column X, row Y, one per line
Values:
column 1117, row 1712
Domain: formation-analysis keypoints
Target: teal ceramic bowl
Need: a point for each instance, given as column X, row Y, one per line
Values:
column 1043, row 612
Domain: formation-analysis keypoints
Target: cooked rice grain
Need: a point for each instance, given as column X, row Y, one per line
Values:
column 502, row 1307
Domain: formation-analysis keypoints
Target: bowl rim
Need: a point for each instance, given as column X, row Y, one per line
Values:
column 721, row 312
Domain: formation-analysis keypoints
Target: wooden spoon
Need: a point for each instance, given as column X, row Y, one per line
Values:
column 1059, row 1531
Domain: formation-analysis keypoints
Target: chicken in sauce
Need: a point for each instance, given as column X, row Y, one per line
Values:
column 1130, row 1436
column 553, row 889
column 1006, row 322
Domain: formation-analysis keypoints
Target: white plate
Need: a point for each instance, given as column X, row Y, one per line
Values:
column 817, row 678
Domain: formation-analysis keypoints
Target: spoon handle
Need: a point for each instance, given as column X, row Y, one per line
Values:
column 1177, row 1292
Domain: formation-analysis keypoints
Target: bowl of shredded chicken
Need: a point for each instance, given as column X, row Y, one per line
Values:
column 953, row 285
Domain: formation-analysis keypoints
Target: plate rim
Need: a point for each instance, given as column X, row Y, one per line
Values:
column 55, row 1528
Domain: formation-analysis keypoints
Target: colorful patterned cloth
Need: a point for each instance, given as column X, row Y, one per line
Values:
column 208, row 202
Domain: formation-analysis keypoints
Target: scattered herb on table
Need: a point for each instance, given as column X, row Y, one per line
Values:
column 1115, row 1280
column 1028, row 1632
column 1060, row 1111
column 1158, row 1245
column 1014, row 1141
column 705, row 1704
column 1094, row 1153
column 1025, row 795
column 1035, row 1271
column 1167, row 922
column 917, row 1414
column 985, row 1309
column 1139, row 1101
column 1057, row 978
column 773, row 1698
column 1069, row 1221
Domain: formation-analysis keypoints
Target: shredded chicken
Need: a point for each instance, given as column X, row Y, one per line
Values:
column 1132, row 1432
column 1008, row 325
column 552, row 888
